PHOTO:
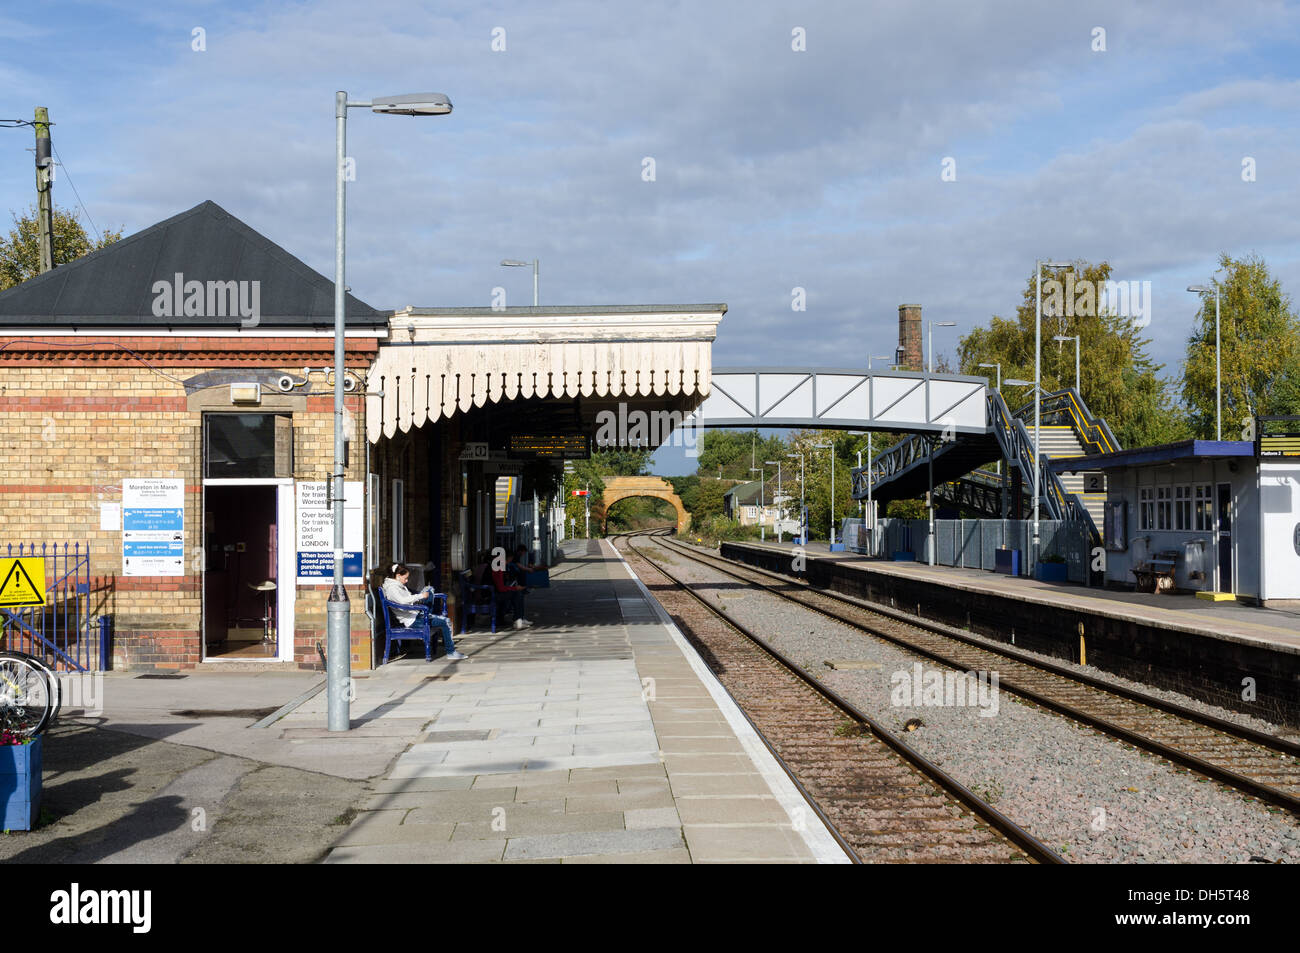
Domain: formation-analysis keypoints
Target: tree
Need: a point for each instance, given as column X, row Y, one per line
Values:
column 731, row 453
column 1259, row 350
column 1118, row 381
column 20, row 252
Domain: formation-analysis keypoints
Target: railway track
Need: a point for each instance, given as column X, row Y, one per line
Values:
column 884, row 801
column 1253, row 762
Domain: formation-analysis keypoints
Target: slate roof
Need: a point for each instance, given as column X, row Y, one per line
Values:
column 113, row 287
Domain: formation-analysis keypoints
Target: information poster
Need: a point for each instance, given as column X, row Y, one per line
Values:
column 316, row 533
column 153, row 527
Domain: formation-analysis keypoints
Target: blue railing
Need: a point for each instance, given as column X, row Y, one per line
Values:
column 63, row 631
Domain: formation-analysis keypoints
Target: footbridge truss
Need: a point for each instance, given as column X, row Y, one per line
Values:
column 835, row 399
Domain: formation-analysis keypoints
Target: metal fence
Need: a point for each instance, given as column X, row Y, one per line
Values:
column 63, row 631
column 973, row 544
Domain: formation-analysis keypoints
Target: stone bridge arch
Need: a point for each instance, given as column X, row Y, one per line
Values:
column 622, row 487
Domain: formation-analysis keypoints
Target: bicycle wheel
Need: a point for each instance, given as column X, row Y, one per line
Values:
column 56, row 688
column 26, row 700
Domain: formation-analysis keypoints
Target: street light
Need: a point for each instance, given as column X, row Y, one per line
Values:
column 513, row 263
column 933, row 325
column 1038, row 380
column 831, row 448
column 803, row 529
column 1075, row 338
column 338, row 612
column 870, row 503
column 776, row 499
column 1218, row 388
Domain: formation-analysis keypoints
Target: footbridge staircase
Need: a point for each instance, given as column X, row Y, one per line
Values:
column 957, row 466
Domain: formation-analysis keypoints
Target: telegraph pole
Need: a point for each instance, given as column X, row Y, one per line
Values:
column 44, row 186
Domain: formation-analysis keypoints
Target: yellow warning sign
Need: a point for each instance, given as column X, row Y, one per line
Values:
column 23, row 582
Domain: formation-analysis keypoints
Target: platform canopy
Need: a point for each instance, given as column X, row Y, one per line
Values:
column 441, row 361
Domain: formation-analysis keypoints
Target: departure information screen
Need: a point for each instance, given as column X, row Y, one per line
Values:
column 563, row 446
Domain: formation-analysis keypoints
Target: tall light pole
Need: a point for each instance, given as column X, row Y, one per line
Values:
column 1038, row 381
column 803, row 530
column 1218, row 387
column 1062, row 338
column 933, row 325
column 777, row 498
column 871, row 507
column 831, row 448
column 514, row 263
column 338, row 612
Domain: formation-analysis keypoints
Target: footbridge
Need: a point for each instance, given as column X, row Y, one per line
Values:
column 837, row 399
column 955, row 466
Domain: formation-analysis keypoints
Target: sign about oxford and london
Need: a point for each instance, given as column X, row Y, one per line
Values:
column 153, row 527
column 316, row 533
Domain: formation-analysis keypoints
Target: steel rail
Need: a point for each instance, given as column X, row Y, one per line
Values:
column 1247, row 785
column 1008, row 828
column 848, row 848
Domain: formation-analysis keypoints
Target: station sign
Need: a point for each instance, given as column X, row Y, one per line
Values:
column 1277, row 437
column 553, row 446
column 153, row 527
column 579, row 492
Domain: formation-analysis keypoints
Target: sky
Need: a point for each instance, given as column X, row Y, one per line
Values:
column 863, row 154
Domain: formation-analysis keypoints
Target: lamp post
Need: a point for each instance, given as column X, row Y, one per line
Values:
column 1038, row 380
column 1062, row 338
column 870, row 502
column 803, row 530
column 933, row 325
column 338, row 612
column 514, row 263
column 1218, row 387
column 831, row 448
column 777, row 498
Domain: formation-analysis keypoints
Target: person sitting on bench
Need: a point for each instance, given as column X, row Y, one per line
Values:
column 397, row 594
column 508, row 592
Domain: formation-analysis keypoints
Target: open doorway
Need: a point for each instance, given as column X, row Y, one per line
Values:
column 240, row 583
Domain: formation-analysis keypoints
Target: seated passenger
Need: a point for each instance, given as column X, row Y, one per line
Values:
column 397, row 594
column 511, row 594
column 519, row 565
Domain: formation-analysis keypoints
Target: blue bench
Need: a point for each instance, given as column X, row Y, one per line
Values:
column 421, row 629
column 475, row 599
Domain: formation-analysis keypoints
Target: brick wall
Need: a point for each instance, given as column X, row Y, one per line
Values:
column 78, row 418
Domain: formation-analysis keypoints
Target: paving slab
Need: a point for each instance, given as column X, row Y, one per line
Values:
column 597, row 736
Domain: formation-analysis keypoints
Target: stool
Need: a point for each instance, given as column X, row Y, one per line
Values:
column 266, row 588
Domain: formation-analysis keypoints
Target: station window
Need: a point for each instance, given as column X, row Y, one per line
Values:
column 1146, row 508
column 1164, row 508
column 1204, row 508
column 1183, row 507
column 243, row 446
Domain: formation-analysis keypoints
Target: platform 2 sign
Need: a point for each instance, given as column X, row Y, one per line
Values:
column 553, row 446
column 22, row 582
column 1277, row 437
column 316, row 533
column 153, row 527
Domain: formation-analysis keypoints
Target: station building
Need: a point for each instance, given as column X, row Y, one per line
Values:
column 168, row 404
column 1228, row 512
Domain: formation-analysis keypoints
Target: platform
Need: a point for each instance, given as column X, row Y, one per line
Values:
column 1276, row 628
column 595, row 736
column 1239, row 657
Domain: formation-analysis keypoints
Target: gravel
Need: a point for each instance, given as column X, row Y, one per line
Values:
column 1094, row 799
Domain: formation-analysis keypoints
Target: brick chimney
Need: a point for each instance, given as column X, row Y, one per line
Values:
column 909, row 337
